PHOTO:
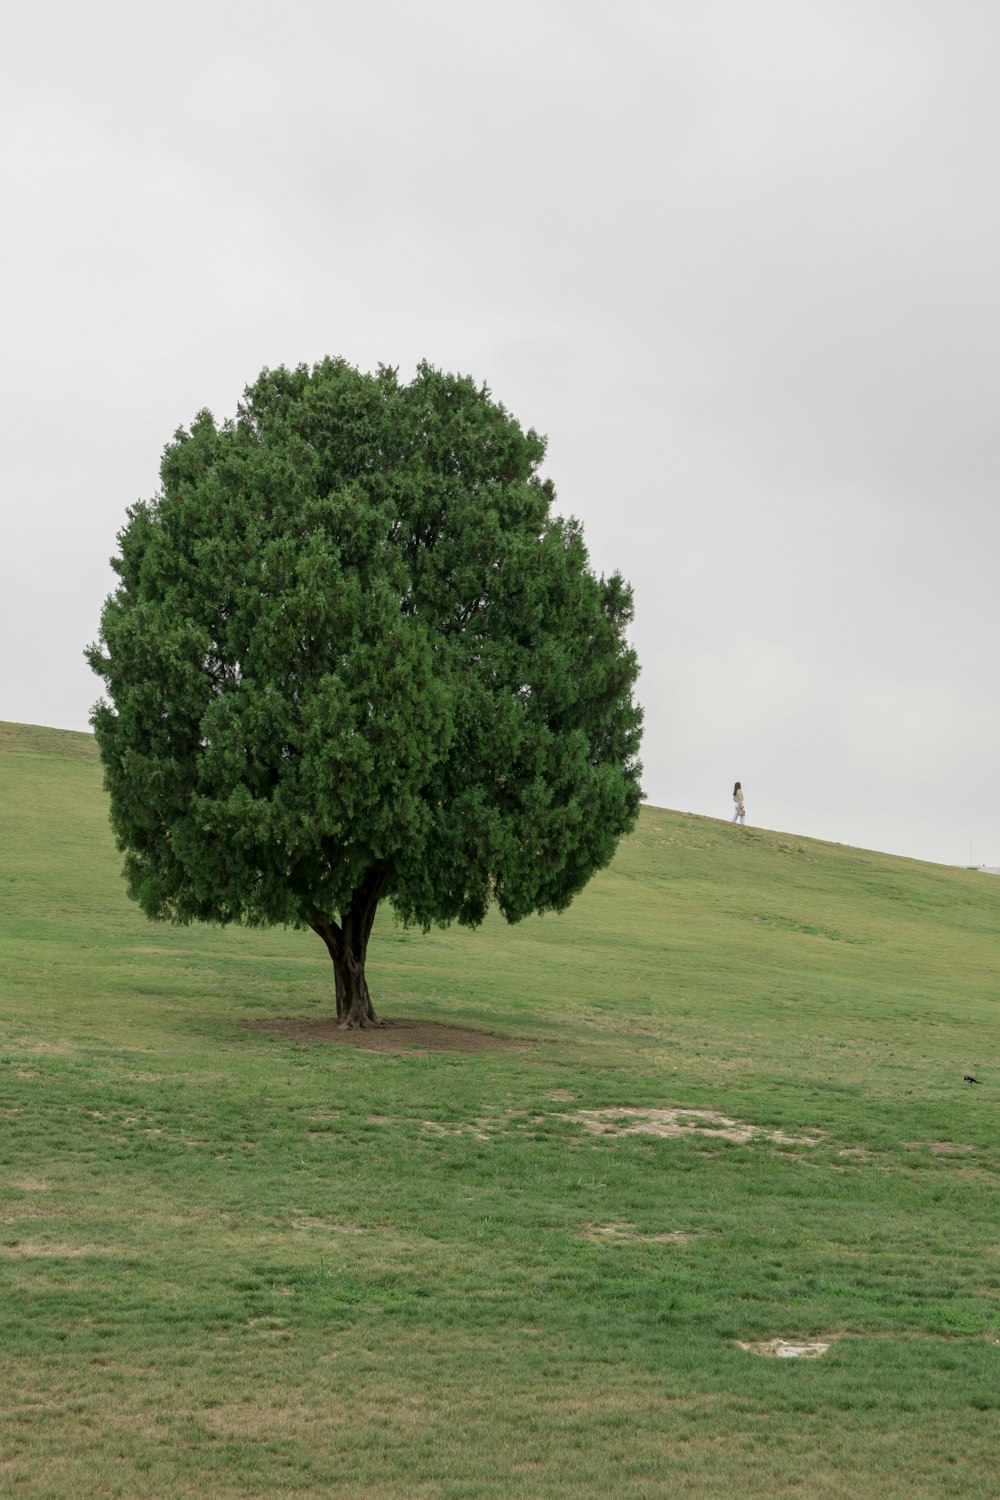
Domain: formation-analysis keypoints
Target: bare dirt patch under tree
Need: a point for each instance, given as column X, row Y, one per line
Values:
column 392, row 1036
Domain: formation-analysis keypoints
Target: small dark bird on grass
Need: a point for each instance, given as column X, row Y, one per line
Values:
column 968, row 1078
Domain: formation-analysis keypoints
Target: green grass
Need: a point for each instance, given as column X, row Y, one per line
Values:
column 221, row 1276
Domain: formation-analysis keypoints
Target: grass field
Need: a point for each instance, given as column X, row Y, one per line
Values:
column 236, row 1265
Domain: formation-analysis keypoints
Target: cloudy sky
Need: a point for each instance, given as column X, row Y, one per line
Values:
column 738, row 260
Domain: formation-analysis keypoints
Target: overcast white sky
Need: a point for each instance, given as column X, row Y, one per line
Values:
column 738, row 259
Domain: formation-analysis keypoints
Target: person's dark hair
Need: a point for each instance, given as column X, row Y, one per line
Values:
column 737, row 788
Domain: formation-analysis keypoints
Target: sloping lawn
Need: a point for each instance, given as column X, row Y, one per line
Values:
column 719, row 1102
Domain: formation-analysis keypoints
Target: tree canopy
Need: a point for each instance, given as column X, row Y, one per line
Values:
column 353, row 655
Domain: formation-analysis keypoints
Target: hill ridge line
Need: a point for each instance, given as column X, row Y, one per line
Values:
column 39, row 739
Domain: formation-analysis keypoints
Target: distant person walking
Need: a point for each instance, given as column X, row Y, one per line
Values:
column 739, row 811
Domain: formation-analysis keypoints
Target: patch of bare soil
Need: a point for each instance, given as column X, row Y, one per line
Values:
column 787, row 1348
column 628, row 1120
column 305, row 1222
column 627, row 1233
column 940, row 1148
column 479, row 1128
column 400, row 1035
column 34, row 1249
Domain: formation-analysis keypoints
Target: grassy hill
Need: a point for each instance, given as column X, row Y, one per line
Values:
column 730, row 1110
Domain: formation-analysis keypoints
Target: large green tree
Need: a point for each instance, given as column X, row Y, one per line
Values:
column 353, row 656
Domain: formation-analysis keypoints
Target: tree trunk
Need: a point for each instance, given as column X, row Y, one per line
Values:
column 347, row 944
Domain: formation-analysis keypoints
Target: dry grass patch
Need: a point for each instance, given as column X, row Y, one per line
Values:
column 630, row 1120
column 31, row 1249
column 940, row 1148
column 309, row 1221
column 627, row 1233
column 787, row 1348
column 476, row 1129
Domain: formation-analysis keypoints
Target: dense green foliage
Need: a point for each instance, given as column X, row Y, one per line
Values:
column 235, row 1266
column 353, row 654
